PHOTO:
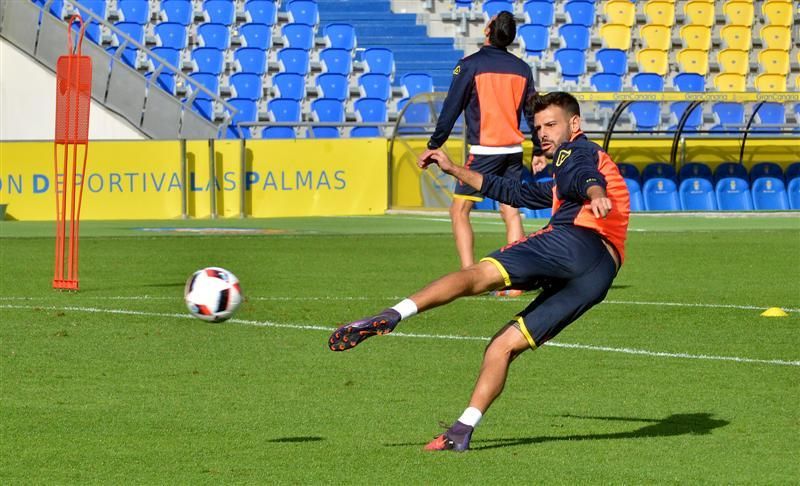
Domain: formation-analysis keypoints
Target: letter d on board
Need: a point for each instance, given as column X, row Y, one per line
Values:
column 40, row 183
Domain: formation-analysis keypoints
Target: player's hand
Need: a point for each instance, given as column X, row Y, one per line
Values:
column 601, row 206
column 435, row 157
column 538, row 163
column 424, row 160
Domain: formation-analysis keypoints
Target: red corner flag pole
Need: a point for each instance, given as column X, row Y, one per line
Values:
column 73, row 98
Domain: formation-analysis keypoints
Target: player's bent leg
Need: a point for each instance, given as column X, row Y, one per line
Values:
column 462, row 230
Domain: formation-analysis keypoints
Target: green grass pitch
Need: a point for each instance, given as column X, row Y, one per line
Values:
column 116, row 384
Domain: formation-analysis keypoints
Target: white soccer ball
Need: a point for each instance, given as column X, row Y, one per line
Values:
column 212, row 294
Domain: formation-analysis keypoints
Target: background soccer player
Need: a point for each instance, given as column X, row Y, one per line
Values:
column 490, row 87
column 573, row 259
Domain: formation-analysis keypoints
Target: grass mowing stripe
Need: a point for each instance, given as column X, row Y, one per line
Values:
column 486, row 299
column 589, row 347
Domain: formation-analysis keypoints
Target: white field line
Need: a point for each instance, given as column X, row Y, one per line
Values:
column 641, row 352
column 397, row 298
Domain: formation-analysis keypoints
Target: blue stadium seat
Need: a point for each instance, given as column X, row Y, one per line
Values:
column 338, row 61
column 677, row 110
column 333, row 86
column 329, row 111
column 729, row 169
column 613, row 61
column 179, row 11
column 415, row 83
column 493, row 7
column 136, row 11
column 539, row 12
column 217, row 36
column 772, row 114
column 207, row 80
column 246, row 85
column 629, row 171
column 415, row 114
column 608, row 83
column 766, row 169
column 294, row 61
column 733, row 194
column 208, row 60
column 690, row 82
column 289, row 86
column 544, row 213
column 580, row 12
column 661, row 195
column 282, row 110
column 136, row 32
column 168, row 54
column 369, row 110
column 299, row 36
column 534, row 39
column 571, row 63
column 379, row 60
column 462, row 4
column 660, row 170
column 340, row 36
column 247, row 111
column 164, row 81
column 92, row 32
column 646, row 114
column 697, row 194
column 97, row 7
column 727, row 114
column 250, row 60
column 769, row 194
column 794, row 193
column 171, row 34
column 792, row 171
column 261, row 11
column 635, row 192
column 204, row 107
column 303, row 12
column 695, row 170
column 375, row 86
column 648, row 82
column 219, row 12
column 574, row 36
column 256, row 35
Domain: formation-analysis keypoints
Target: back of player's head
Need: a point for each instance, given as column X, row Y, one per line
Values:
column 502, row 30
column 563, row 100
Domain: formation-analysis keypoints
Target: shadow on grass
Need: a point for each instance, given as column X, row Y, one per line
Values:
column 297, row 439
column 676, row 424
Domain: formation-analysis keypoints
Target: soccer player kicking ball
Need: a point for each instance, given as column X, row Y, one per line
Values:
column 573, row 259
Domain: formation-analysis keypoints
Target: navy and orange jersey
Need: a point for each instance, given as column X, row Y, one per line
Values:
column 491, row 88
column 577, row 165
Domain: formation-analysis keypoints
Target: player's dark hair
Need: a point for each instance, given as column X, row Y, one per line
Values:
column 559, row 98
column 502, row 30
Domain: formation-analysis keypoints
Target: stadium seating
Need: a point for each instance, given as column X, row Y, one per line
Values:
column 246, row 86
column 295, row 61
column 635, row 192
column 171, row 34
column 219, row 12
column 739, row 12
column 333, row 86
column 613, row 61
column 247, row 111
column 261, row 11
column 616, row 36
column 606, row 82
column 766, row 169
column 493, row 7
column 208, row 60
column 298, row 36
column 656, row 36
column 729, row 169
column 534, row 39
column 660, row 195
column 539, row 12
column 693, row 61
column 135, row 11
column 171, row 56
column 728, row 115
column 734, row 61
column 580, row 12
column 778, row 13
column 794, row 193
column 373, row 85
column 574, row 36
column 571, row 64
column 770, row 116
column 134, row 31
column 327, row 111
column 369, row 110
column 629, row 171
column 303, row 12
column 695, row 170
column 214, row 35
column 730, row 82
column 792, row 171
column 697, row 194
column 659, row 170
column 653, row 61
column 338, row 61
column 250, row 60
column 774, row 61
column 620, row 12
column 340, row 36
column 770, row 82
column 289, row 86
column 178, row 11
column 284, row 111
column 164, row 81
column 660, row 12
column 689, row 82
column 415, row 83
column 256, row 35
column 646, row 115
column 379, row 60
column 769, row 193
column 699, row 12
column 648, row 82
column 776, row 37
column 733, row 194
column 696, row 37
column 736, row 37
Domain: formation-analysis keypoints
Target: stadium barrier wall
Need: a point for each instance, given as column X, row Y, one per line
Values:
column 148, row 180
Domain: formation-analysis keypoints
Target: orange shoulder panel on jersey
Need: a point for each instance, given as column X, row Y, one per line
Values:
column 500, row 96
column 614, row 227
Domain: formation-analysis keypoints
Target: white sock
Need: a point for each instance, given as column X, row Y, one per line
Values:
column 406, row 308
column 471, row 416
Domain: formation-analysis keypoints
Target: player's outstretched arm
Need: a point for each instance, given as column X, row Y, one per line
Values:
column 469, row 177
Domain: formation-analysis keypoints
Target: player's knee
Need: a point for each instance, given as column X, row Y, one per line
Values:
column 460, row 208
column 508, row 343
column 484, row 276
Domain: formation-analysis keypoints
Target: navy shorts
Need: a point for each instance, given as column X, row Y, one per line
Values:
column 571, row 265
column 506, row 165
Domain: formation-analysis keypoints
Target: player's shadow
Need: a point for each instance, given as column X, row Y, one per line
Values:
column 297, row 439
column 676, row 424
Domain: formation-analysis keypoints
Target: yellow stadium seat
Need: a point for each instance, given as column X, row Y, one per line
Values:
column 693, row 61
column 777, row 13
column 739, row 13
column 659, row 12
column 656, row 36
column 616, row 36
column 771, row 82
column 776, row 37
column 620, row 12
column 774, row 61
column 699, row 13
column 730, row 82
column 734, row 61
column 653, row 61
column 737, row 37
column 696, row 37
